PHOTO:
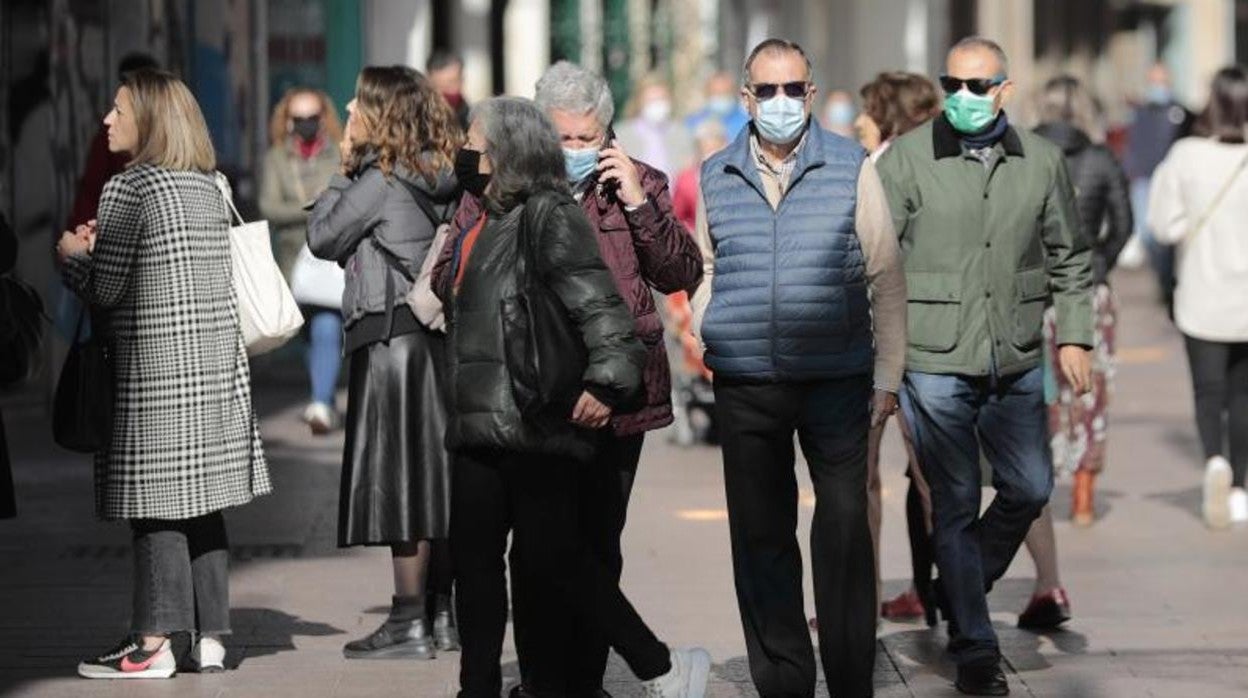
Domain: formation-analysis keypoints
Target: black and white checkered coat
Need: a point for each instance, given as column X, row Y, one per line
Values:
column 185, row 436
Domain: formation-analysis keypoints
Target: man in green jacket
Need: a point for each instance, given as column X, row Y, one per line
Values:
column 990, row 236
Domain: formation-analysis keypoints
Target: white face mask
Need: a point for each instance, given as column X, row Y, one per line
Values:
column 657, row 111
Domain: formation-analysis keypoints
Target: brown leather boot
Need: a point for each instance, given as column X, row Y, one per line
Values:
column 1083, row 509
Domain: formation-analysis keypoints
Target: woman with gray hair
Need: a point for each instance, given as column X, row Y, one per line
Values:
column 522, row 434
column 1077, row 422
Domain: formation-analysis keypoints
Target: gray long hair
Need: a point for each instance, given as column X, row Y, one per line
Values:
column 1065, row 100
column 569, row 87
column 523, row 148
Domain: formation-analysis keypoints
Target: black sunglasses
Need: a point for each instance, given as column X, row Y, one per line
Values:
column 977, row 86
column 796, row 90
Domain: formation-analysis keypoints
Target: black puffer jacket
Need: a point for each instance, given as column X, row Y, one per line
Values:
column 484, row 414
column 1103, row 195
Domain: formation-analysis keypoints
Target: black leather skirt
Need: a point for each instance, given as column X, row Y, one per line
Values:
column 396, row 481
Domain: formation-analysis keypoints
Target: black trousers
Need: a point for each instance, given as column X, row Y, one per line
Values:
column 537, row 500
column 757, row 423
column 1220, row 384
column 565, row 655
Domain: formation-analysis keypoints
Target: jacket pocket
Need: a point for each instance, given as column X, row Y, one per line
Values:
column 934, row 309
column 1032, row 294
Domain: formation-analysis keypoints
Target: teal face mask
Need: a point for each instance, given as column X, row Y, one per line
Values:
column 969, row 113
column 580, row 163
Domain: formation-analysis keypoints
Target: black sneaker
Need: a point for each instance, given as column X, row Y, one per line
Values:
column 130, row 661
column 393, row 640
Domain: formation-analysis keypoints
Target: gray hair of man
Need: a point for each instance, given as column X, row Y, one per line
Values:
column 569, row 87
column 775, row 47
column 981, row 43
column 523, row 148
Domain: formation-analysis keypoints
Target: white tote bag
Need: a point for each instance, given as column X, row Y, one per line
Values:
column 317, row 282
column 267, row 312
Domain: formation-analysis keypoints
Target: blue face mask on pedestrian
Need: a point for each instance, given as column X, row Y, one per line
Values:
column 580, row 163
column 781, row 119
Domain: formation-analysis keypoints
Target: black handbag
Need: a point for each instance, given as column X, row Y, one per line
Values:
column 82, row 413
column 21, row 332
column 545, row 353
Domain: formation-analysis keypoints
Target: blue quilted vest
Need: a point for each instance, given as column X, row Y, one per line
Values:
column 789, row 294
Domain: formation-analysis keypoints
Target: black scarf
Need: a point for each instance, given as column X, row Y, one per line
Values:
column 989, row 136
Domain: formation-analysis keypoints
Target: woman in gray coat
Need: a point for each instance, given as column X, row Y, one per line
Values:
column 378, row 219
column 185, row 443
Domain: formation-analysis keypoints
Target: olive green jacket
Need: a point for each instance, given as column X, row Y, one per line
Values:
column 288, row 184
column 986, row 249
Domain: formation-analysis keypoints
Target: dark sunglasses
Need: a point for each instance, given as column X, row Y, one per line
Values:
column 977, row 86
column 796, row 90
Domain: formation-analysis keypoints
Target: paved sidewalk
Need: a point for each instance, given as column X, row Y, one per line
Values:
column 1159, row 603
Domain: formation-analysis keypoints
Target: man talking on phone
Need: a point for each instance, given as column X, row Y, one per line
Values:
column 646, row 248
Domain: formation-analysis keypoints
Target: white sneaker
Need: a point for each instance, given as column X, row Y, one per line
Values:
column 687, row 679
column 320, row 417
column 1239, row 506
column 1217, row 493
column 128, row 660
column 208, row 656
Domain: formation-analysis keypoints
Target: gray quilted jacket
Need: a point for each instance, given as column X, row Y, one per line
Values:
column 371, row 225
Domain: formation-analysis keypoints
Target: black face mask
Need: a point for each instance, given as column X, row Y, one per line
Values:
column 307, row 127
column 467, row 171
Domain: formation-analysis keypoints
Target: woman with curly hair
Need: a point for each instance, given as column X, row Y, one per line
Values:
column 377, row 218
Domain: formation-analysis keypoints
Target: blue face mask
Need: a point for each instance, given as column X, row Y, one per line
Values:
column 580, row 163
column 721, row 105
column 781, row 119
column 840, row 114
column 1157, row 94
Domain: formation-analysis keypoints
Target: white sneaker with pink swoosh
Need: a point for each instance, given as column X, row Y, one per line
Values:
column 130, row 661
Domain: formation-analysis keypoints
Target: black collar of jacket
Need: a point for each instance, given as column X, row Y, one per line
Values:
column 946, row 144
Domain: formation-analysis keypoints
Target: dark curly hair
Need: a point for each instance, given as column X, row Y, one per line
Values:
column 406, row 122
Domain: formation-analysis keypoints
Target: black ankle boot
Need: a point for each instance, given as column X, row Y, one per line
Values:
column 445, row 630
column 404, row 635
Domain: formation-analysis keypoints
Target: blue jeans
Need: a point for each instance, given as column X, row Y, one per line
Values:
column 324, row 353
column 1160, row 256
column 952, row 417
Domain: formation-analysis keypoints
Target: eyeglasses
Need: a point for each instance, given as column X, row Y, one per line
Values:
column 765, row 91
column 977, row 86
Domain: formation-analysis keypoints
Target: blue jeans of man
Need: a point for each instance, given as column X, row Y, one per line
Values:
column 952, row 418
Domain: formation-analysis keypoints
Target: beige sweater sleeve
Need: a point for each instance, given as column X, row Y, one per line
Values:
column 702, row 296
column 886, row 278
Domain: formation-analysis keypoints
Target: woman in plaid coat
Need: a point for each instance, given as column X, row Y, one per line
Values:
column 185, row 443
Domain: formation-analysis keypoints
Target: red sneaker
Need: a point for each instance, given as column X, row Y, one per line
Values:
column 907, row 606
column 1046, row 611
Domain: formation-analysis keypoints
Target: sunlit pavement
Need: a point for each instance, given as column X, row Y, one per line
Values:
column 1159, row 602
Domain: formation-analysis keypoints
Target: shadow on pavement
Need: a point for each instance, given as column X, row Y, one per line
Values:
column 1188, row 501
column 262, row 632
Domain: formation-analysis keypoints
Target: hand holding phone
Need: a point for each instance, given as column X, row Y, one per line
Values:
column 616, row 169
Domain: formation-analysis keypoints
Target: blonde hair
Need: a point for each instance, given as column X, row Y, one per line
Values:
column 171, row 128
column 279, row 126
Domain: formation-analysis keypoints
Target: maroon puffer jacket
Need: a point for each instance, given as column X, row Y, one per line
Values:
column 646, row 248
